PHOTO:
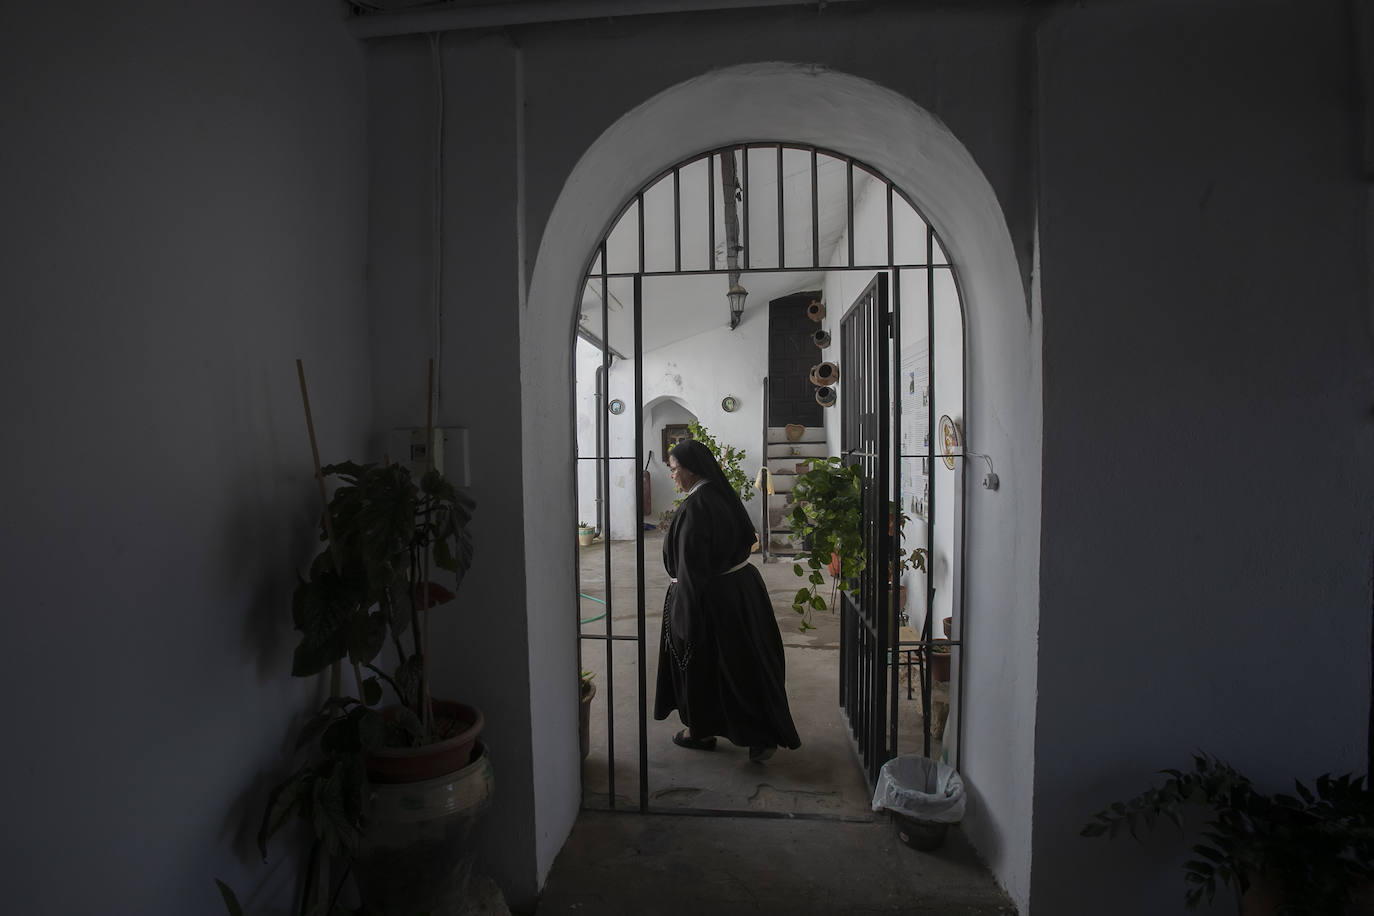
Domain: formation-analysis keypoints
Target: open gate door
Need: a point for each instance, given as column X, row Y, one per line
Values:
column 866, row 614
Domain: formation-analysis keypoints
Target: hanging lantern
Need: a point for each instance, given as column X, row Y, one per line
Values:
column 825, row 396
column 821, row 338
column 816, row 310
column 825, row 374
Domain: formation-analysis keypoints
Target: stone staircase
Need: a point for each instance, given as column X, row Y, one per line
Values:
column 782, row 459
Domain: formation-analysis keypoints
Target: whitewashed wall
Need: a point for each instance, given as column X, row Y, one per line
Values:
column 684, row 380
column 184, row 188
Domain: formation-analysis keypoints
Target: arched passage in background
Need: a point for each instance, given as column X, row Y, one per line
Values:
column 940, row 177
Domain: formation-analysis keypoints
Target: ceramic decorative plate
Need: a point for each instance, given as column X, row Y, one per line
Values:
column 617, row 406
column 729, row 404
column 949, row 436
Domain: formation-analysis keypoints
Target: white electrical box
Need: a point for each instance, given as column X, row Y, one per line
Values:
column 450, row 451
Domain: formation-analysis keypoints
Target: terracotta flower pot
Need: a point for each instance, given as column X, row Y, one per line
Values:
column 429, row 761
column 825, row 374
column 939, row 663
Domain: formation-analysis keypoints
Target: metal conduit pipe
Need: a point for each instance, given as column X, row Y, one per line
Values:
column 599, row 408
column 383, row 22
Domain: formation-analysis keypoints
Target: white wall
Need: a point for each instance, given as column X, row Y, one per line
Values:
column 481, row 647
column 1204, row 326
column 184, row 196
column 1184, row 165
column 685, row 380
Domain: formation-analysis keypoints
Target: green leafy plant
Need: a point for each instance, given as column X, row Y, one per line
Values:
column 368, row 589
column 729, row 458
column 827, row 517
column 1315, row 848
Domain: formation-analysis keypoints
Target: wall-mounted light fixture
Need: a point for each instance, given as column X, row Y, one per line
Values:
column 736, row 294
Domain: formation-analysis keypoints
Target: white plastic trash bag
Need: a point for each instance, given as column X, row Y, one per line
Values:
column 920, row 788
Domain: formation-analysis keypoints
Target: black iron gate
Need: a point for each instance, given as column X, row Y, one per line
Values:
column 866, row 621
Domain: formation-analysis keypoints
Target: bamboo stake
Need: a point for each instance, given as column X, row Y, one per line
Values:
column 429, row 454
column 335, row 680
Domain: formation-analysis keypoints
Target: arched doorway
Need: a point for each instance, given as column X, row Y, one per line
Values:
column 937, row 173
column 793, row 223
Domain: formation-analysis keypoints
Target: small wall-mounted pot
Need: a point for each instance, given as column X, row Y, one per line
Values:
column 825, row 374
column 821, row 338
column 816, row 310
column 825, row 396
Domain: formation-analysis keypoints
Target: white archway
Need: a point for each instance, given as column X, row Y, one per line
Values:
column 917, row 153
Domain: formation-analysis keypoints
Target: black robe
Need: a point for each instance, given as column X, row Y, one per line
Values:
column 720, row 658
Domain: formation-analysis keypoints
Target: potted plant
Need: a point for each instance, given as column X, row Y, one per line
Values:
column 826, row 516
column 1311, row 853
column 585, row 534
column 394, row 791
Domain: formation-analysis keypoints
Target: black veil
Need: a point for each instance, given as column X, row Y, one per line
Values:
column 698, row 459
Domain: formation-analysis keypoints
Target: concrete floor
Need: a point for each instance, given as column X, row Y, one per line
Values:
column 816, row 846
column 666, row 865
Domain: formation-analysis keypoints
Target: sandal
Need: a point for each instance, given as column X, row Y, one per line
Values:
column 682, row 739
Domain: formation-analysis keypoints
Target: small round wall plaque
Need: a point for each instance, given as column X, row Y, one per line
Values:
column 617, row 406
column 729, row 404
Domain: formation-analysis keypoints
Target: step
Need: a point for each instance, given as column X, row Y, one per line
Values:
column 783, row 450
column 811, row 434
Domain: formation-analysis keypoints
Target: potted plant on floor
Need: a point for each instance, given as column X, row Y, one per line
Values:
column 585, row 534
column 393, row 791
column 827, row 518
column 377, row 790
column 1311, row 853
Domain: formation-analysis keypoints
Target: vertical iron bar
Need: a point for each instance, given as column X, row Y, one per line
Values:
column 605, row 470
column 639, row 202
column 849, row 208
column 927, row 630
column 745, row 191
column 710, row 215
column 895, row 435
column 639, row 539
column 815, row 214
column 782, row 260
column 677, row 222
column 767, row 477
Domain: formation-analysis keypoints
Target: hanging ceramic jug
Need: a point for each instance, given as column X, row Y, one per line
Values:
column 825, row 396
column 821, row 338
column 825, row 374
column 816, row 310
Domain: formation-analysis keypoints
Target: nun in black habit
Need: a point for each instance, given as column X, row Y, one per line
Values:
column 720, row 660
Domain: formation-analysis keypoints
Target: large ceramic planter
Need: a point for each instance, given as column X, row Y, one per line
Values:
column 417, row 853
